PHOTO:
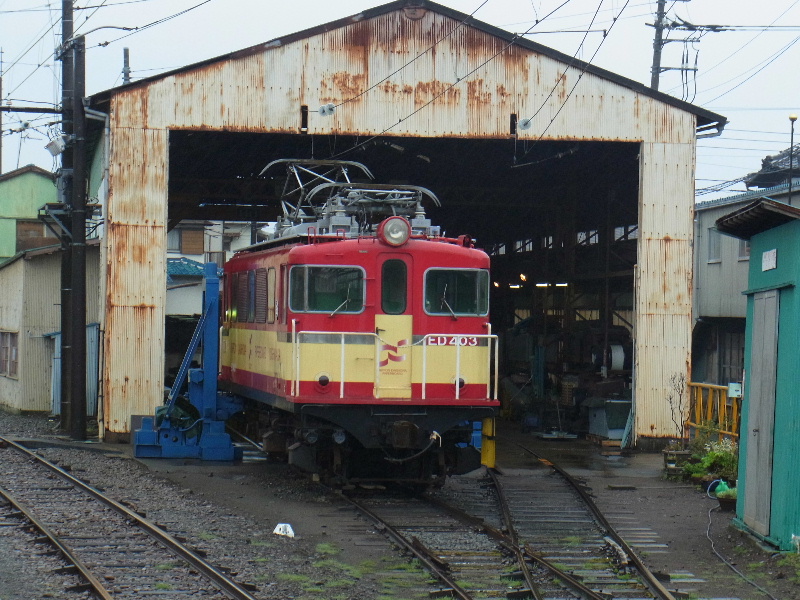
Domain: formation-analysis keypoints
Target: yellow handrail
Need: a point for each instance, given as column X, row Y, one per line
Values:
column 711, row 408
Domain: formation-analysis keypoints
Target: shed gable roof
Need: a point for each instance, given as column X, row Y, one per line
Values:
column 705, row 118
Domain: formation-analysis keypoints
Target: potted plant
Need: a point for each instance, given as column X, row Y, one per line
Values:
column 675, row 457
column 727, row 499
column 676, row 452
column 712, row 460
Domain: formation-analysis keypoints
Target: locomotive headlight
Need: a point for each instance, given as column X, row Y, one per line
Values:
column 394, row 231
column 339, row 436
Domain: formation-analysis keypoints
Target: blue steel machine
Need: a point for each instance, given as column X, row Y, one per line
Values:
column 194, row 429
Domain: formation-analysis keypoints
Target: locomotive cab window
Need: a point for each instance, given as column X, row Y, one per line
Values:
column 457, row 292
column 326, row 289
column 393, row 287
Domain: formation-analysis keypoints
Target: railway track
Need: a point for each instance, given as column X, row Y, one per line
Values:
column 115, row 552
column 534, row 534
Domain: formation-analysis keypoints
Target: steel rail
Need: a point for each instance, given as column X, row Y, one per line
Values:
column 512, row 534
column 650, row 580
column 65, row 550
column 433, row 564
column 512, row 545
column 220, row 580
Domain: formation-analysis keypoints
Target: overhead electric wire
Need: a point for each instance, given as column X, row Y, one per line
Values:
column 569, row 66
column 742, row 47
column 33, row 45
column 575, row 85
column 110, row 4
column 424, row 52
column 154, row 23
column 452, row 85
column 582, row 14
column 86, row 18
column 38, row 66
column 754, row 150
column 769, row 62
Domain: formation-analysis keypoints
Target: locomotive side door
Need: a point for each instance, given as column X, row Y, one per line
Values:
column 394, row 326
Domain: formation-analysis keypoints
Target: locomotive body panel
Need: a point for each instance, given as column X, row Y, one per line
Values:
column 365, row 354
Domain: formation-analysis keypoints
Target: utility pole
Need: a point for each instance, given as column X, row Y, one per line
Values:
column 78, row 308
column 65, row 188
column 658, row 44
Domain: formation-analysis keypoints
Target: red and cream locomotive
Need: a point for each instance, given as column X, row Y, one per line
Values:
column 359, row 332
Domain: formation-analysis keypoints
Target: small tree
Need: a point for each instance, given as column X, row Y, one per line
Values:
column 678, row 405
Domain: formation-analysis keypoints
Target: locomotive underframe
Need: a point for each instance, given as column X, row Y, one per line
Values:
column 390, row 442
column 388, row 426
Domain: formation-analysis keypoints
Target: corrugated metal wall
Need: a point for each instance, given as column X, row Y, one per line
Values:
column 135, row 265
column 42, row 285
column 664, row 291
column 11, row 278
column 263, row 92
column 725, row 279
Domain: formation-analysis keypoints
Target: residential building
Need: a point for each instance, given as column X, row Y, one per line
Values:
column 30, row 291
column 22, row 193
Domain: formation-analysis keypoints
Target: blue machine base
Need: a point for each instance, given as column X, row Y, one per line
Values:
column 169, row 442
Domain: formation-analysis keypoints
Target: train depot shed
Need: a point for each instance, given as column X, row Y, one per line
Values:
column 578, row 182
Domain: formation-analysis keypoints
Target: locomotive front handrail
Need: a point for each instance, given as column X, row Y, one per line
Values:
column 492, row 339
column 341, row 334
column 492, row 361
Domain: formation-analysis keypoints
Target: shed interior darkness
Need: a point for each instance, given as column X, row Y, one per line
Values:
column 561, row 212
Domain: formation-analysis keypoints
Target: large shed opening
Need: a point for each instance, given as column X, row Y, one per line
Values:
column 559, row 219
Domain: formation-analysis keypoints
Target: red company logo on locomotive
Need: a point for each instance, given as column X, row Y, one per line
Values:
column 392, row 353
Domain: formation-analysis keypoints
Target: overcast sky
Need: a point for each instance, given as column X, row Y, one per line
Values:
column 749, row 74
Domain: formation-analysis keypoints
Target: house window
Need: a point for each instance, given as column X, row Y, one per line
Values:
column 744, row 249
column 186, row 241
column 174, row 240
column 8, row 353
column 31, row 234
column 192, row 241
column 714, row 243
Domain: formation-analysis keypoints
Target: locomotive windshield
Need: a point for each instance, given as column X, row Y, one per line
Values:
column 457, row 292
column 326, row 289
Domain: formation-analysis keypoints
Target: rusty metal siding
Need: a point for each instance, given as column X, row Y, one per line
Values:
column 432, row 77
column 134, row 264
column 11, row 308
column 664, row 282
column 42, row 283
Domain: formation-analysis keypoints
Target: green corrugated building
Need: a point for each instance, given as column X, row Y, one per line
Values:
column 768, row 503
column 22, row 193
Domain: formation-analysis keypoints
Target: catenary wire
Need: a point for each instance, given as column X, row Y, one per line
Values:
column 154, row 23
column 575, row 85
column 451, row 86
column 436, row 43
column 763, row 66
column 569, row 66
